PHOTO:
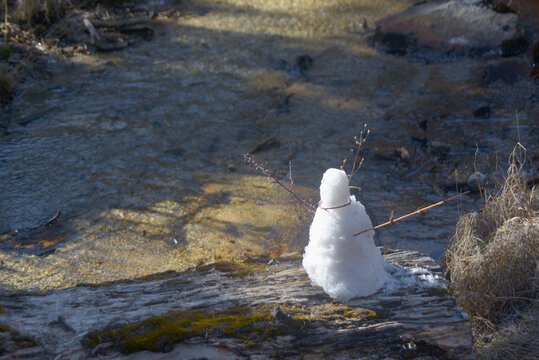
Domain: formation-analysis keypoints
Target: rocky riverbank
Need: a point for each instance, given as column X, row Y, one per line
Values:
column 39, row 32
column 492, row 262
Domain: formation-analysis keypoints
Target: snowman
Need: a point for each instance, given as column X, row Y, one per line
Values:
column 344, row 265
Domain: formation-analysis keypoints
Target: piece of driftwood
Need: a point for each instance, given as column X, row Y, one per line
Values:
column 105, row 43
column 255, row 310
column 105, row 46
column 94, row 35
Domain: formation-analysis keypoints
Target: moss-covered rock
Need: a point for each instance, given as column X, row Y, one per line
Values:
column 250, row 324
column 11, row 340
column 175, row 327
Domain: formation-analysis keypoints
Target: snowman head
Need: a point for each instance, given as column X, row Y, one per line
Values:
column 334, row 189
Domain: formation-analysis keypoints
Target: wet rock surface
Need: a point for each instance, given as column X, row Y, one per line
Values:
column 244, row 310
column 508, row 71
column 450, row 28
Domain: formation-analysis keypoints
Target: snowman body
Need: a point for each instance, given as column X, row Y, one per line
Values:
column 344, row 265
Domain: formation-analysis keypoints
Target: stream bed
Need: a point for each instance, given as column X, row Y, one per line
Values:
column 135, row 157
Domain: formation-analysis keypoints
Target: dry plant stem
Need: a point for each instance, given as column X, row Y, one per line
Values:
column 362, row 139
column 418, row 211
column 120, row 23
column 290, row 174
column 5, row 23
column 249, row 160
column 482, row 191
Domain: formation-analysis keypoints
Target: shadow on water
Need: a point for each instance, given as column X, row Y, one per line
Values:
column 116, row 143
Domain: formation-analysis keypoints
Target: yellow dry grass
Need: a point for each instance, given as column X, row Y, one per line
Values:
column 493, row 265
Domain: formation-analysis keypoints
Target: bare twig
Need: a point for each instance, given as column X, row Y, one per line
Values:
column 478, row 179
column 421, row 210
column 359, row 142
column 120, row 23
column 54, row 218
column 249, row 160
column 290, row 174
column 94, row 35
column 6, row 28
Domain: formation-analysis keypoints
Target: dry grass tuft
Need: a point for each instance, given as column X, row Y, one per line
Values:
column 493, row 264
column 514, row 339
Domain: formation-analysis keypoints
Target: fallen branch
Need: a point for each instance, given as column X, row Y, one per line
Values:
column 53, row 219
column 120, row 23
column 94, row 35
column 111, row 46
column 421, row 210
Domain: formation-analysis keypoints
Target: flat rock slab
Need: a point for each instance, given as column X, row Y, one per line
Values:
column 455, row 27
column 254, row 310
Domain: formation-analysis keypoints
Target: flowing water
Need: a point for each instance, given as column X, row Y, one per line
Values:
column 141, row 149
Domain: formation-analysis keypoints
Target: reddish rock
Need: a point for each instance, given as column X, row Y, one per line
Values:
column 452, row 27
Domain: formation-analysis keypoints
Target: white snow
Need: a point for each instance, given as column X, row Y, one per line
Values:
column 415, row 277
column 345, row 266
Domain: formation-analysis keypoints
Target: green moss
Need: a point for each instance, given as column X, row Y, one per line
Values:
column 437, row 291
column 148, row 334
column 5, row 52
column 251, row 324
column 333, row 312
column 20, row 341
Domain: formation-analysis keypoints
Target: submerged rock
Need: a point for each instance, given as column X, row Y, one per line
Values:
column 502, row 71
column 476, row 181
column 448, row 28
column 230, row 218
column 513, row 47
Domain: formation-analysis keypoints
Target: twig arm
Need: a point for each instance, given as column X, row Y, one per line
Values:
column 418, row 211
column 249, row 160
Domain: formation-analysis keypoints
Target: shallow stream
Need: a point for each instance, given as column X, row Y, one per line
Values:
column 141, row 150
